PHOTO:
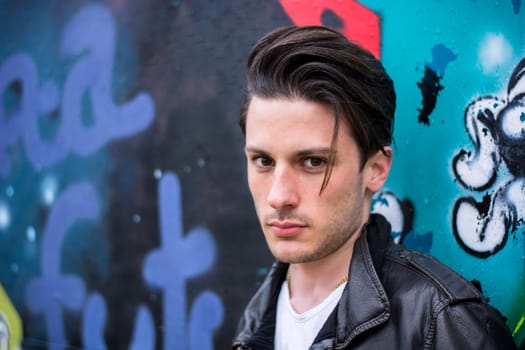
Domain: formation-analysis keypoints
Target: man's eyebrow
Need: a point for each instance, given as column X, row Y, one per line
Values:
column 321, row 150
column 252, row 149
column 301, row 153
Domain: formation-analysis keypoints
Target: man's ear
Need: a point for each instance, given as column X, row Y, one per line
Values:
column 378, row 168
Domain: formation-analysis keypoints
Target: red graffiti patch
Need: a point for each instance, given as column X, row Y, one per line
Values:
column 359, row 23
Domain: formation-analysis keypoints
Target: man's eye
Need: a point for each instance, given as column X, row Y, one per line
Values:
column 314, row 162
column 263, row 162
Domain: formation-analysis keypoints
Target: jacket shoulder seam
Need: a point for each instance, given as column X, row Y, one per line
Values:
column 455, row 287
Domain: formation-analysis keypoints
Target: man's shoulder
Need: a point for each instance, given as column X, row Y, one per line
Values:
column 420, row 270
column 451, row 310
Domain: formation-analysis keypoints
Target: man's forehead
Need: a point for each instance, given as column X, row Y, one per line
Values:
column 267, row 106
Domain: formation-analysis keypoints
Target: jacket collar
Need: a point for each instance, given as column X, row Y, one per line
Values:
column 364, row 303
column 256, row 328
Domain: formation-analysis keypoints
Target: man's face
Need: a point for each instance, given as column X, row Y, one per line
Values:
column 287, row 148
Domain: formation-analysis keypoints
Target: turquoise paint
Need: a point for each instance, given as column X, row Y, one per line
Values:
column 422, row 168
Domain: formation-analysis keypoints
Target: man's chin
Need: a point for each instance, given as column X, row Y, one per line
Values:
column 294, row 257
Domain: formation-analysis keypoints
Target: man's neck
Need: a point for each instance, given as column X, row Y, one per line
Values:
column 310, row 283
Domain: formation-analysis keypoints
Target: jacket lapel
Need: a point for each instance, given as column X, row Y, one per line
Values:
column 364, row 304
column 256, row 328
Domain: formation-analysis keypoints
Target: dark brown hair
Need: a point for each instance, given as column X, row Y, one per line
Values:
column 320, row 65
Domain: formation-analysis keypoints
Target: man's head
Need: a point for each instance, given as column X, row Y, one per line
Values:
column 318, row 124
column 320, row 65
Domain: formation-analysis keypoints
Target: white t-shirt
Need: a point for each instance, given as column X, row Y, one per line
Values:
column 295, row 331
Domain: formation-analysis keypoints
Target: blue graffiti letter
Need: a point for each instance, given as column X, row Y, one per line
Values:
column 47, row 294
column 179, row 259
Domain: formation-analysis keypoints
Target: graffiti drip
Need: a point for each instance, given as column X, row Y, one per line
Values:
column 430, row 88
column 430, row 85
column 516, row 5
column 496, row 126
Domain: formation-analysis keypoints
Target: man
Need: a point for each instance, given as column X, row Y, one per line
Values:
column 318, row 123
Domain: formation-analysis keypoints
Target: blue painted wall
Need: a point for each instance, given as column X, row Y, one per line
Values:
column 125, row 220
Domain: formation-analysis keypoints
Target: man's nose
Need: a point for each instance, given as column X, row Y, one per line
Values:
column 283, row 191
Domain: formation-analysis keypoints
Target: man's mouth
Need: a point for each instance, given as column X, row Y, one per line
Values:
column 286, row 228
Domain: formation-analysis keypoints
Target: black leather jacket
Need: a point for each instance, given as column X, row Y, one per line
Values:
column 396, row 298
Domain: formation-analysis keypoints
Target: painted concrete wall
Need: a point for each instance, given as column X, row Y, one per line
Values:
column 125, row 221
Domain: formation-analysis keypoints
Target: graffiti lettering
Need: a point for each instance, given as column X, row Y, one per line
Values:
column 497, row 128
column 357, row 21
column 94, row 321
column 89, row 35
column 48, row 293
column 169, row 267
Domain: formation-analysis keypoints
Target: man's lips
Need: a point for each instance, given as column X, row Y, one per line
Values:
column 286, row 228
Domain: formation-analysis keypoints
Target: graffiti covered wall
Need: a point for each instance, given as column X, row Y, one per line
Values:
column 125, row 219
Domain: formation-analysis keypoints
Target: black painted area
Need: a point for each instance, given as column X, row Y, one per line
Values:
column 192, row 59
column 430, row 87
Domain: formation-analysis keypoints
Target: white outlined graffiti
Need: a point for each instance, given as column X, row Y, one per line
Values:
column 400, row 214
column 496, row 127
column 387, row 204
